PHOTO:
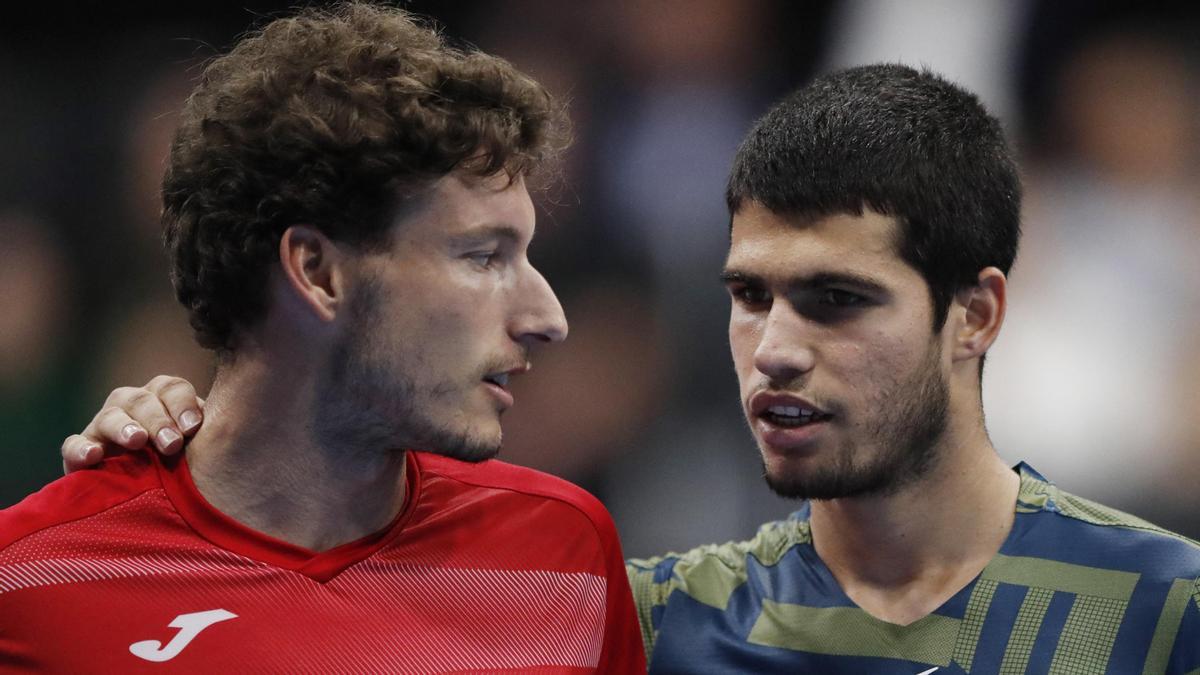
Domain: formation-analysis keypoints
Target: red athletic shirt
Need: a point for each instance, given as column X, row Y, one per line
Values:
column 489, row 567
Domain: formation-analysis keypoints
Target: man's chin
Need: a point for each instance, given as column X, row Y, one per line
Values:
column 824, row 484
column 468, row 447
column 473, row 454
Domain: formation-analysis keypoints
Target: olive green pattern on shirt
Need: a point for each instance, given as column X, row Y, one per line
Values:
column 709, row 574
column 850, row 631
column 1168, row 626
column 1086, row 641
column 972, row 623
column 1025, row 630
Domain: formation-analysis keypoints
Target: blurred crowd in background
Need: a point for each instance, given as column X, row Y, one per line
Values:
column 1095, row 380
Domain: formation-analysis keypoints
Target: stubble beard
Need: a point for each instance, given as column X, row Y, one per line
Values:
column 372, row 402
column 906, row 436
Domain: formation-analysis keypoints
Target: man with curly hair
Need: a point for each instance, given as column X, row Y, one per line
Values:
column 347, row 217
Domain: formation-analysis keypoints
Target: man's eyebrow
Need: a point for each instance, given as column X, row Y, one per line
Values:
column 823, row 279
column 485, row 233
column 733, row 276
column 818, row 280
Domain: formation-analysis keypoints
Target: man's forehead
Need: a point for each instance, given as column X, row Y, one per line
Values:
column 869, row 230
column 766, row 243
column 461, row 204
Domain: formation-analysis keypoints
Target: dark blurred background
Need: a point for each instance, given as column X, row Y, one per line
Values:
column 1095, row 380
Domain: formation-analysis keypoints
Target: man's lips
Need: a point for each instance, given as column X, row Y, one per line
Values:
column 785, row 421
column 500, row 376
column 765, row 402
column 501, row 394
column 497, row 382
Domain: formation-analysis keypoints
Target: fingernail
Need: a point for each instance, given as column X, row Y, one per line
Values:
column 166, row 437
column 128, row 431
column 86, row 455
column 190, row 420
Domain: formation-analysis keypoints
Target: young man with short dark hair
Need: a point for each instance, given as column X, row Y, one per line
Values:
column 875, row 216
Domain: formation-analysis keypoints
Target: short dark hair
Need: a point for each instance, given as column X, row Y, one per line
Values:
column 904, row 143
column 326, row 118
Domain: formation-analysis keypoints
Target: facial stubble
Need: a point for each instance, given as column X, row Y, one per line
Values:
column 912, row 418
column 372, row 399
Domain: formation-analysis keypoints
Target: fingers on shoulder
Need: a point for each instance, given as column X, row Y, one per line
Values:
column 125, row 425
column 79, row 452
column 180, row 400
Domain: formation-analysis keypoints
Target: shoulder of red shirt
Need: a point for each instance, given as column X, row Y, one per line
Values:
column 496, row 474
column 119, row 479
column 79, row 495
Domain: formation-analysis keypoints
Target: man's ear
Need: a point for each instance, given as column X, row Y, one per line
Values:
column 312, row 267
column 985, row 304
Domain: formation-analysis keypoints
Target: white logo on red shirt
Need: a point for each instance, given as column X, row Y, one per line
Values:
column 189, row 626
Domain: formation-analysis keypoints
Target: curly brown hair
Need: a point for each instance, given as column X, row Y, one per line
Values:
column 328, row 118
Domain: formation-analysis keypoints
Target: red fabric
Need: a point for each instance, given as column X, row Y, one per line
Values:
column 488, row 567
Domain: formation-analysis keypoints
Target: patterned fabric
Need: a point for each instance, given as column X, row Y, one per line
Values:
column 1076, row 588
column 488, row 567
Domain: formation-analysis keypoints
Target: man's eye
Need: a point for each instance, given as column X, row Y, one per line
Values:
column 838, row 298
column 748, row 295
column 482, row 258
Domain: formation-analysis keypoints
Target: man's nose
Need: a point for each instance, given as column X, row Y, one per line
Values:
column 785, row 351
column 540, row 316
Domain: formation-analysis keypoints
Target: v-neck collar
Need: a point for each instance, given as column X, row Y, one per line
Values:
column 1034, row 494
column 233, row 536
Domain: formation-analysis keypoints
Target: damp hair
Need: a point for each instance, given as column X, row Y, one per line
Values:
column 329, row 118
column 901, row 142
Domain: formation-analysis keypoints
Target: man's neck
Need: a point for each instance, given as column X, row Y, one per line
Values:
column 258, row 461
column 902, row 555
